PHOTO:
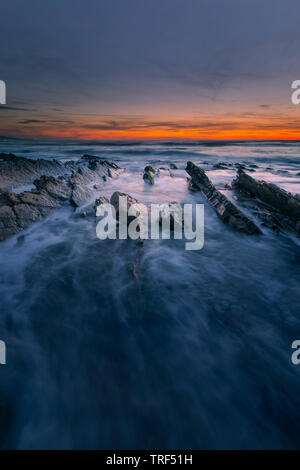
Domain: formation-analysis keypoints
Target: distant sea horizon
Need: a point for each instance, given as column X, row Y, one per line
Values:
column 129, row 142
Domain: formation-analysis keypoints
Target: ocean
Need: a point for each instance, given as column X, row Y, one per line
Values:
column 114, row 345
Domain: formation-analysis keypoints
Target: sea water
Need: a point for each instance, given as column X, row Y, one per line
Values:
column 111, row 344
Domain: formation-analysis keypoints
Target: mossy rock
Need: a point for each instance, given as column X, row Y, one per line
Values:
column 149, row 169
column 148, row 178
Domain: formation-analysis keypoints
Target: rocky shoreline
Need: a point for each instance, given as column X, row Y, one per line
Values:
column 55, row 184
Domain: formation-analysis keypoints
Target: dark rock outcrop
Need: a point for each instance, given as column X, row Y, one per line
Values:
column 149, row 171
column 16, row 171
column 114, row 200
column 271, row 194
column 221, row 166
column 164, row 214
column 92, row 159
column 148, row 178
column 18, row 211
column 73, row 186
column 276, row 199
column 228, row 212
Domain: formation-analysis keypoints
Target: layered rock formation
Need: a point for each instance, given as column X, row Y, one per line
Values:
column 283, row 208
column 55, row 184
column 226, row 210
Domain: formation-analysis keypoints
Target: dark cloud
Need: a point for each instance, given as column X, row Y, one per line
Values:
column 101, row 57
column 43, row 121
column 31, row 121
column 13, row 108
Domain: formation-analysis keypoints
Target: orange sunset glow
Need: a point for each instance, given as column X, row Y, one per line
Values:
column 217, row 129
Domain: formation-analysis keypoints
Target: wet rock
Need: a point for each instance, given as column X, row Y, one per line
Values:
column 191, row 186
column 26, row 214
column 240, row 165
column 18, row 211
column 101, row 160
column 148, row 178
column 95, row 162
column 114, row 200
column 42, row 200
column 269, row 219
column 82, row 176
column 226, row 210
column 165, row 212
column 16, row 171
column 80, row 195
column 149, row 169
column 99, row 201
column 173, row 166
column 286, row 203
column 11, row 158
column 220, row 166
column 8, row 222
column 57, row 188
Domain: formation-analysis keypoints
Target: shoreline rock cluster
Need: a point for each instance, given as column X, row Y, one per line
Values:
column 282, row 208
column 225, row 209
column 276, row 208
column 56, row 184
column 75, row 182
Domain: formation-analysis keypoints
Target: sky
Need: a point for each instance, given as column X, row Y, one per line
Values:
column 150, row 69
